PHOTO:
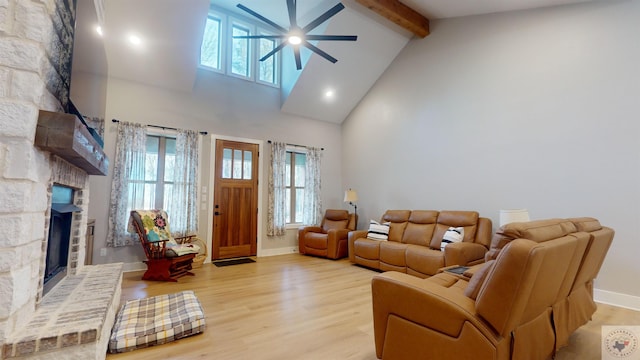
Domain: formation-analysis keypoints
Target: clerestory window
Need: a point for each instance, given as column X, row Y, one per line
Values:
column 223, row 53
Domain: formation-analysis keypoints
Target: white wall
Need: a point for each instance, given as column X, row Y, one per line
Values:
column 535, row 109
column 223, row 106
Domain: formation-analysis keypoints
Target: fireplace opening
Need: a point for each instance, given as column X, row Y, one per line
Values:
column 62, row 209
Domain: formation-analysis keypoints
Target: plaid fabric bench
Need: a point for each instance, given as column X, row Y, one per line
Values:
column 156, row 320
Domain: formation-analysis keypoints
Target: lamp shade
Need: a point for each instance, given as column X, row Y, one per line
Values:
column 350, row 196
column 513, row 215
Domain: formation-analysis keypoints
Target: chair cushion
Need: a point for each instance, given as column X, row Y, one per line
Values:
column 315, row 240
column 335, row 219
column 174, row 249
column 154, row 224
column 156, row 320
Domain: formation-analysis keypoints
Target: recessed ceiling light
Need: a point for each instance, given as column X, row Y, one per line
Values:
column 99, row 30
column 329, row 94
column 135, row 39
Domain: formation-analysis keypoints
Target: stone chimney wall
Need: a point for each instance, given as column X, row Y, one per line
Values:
column 27, row 71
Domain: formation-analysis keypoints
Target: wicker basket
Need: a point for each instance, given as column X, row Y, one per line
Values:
column 202, row 254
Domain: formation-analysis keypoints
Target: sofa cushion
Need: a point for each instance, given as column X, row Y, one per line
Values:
column 367, row 249
column 587, row 224
column 538, row 231
column 452, row 235
column 378, row 231
column 424, row 260
column 393, row 253
column 420, row 227
column 398, row 220
column 447, row 219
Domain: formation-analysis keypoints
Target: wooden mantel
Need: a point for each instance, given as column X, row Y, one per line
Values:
column 400, row 14
column 67, row 137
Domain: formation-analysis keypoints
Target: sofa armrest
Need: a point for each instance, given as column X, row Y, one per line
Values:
column 422, row 302
column 463, row 253
column 301, row 233
column 353, row 236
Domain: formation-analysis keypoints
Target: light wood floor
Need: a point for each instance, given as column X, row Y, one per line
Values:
column 299, row 307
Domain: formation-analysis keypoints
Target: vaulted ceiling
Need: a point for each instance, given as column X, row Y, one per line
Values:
column 172, row 33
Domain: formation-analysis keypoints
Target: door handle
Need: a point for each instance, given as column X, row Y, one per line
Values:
column 216, row 213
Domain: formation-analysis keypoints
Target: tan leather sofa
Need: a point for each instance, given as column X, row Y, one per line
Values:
column 522, row 304
column 330, row 238
column 414, row 242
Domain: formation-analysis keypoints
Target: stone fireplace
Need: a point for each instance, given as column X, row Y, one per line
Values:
column 74, row 319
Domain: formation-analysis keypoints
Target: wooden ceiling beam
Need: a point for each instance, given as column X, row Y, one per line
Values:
column 400, row 14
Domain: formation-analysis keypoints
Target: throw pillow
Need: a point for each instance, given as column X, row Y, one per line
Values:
column 378, row 231
column 453, row 234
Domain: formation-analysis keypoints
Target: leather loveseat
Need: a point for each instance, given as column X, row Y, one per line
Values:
column 414, row 240
column 523, row 303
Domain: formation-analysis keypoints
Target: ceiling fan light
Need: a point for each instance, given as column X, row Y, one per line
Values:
column 295, row 40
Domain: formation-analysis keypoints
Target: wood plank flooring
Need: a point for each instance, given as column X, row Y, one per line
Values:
column 299, row 307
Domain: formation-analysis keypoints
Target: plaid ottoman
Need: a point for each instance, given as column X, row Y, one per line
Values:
column 156, row 320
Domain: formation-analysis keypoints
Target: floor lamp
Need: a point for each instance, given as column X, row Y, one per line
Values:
column 351, row 196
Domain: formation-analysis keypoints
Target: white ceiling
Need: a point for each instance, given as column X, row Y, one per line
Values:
column 172, row 33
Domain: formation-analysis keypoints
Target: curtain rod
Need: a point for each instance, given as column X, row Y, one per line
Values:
column 269, row 141
column 160, row 127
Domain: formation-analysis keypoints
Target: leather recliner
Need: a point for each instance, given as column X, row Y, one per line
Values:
column 330, row 238
column 521, row 304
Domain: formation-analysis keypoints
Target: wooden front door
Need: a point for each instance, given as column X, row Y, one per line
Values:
column 235, row 200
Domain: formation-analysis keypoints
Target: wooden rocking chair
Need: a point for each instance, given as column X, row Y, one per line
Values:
column 168, row 258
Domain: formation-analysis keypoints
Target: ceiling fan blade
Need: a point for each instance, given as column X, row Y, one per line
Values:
column 324, row 17
column 291, row 6
column 332, row 37
column 296, row 52
column 275, row 50
column 264, row 19
column 319, row 52
column 260, row 36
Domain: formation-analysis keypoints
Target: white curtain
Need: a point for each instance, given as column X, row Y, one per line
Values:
column 182, row 202
column 127, row 188
column 276, row 219
column 312, row 210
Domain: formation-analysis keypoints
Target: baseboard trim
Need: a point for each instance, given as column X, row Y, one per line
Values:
column 278, row 251
column 136, row 266
column 617, row 299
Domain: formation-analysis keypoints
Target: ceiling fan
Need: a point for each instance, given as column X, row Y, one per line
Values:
column 297, row 35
